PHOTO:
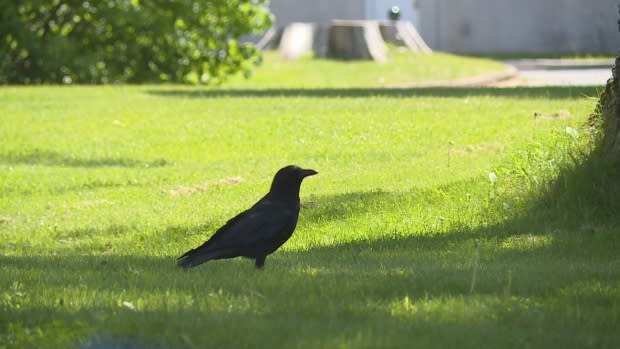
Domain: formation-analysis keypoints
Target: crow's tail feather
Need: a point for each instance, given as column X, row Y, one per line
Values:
column 194, row 257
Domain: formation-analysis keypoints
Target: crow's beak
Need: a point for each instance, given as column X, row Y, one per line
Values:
column 307, row 173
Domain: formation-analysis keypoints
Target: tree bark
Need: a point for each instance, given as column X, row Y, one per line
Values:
column 608, row 110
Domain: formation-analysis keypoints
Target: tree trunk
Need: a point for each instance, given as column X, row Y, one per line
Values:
column 609, row 109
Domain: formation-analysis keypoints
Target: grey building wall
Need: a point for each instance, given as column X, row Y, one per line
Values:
column 485, row 26
column 319, row 11
column 523, row 26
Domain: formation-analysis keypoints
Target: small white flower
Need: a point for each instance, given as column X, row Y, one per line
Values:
column 129, row 305
column 492, row 177
column 571, row 131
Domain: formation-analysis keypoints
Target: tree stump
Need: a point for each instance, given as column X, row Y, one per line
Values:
column 356, row 39
column 342, row 39
column 297, row 40
column 403, row 33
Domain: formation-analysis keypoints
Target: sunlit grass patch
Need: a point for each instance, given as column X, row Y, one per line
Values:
column 525, row 242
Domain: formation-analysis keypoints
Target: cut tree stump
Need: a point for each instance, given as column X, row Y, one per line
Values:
column 403, row 33
column 297, row 40
column 342, row 39
column 356, row 39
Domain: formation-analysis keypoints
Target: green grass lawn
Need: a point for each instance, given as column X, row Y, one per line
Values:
column 101, row 188
column 402, row 68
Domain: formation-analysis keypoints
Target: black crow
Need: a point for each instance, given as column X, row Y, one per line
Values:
column 260, row 230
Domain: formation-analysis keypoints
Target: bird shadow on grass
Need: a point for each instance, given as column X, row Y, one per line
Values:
column 53, row 158
column 551, row 92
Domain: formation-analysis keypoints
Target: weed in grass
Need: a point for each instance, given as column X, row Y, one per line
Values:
column 476, row 266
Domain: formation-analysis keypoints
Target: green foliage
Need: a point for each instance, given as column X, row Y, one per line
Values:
column 53, row 41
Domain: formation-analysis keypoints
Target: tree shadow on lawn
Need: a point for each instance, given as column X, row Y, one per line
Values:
column 53, row 158
column 376, row 291
column 483, row 324
column 551, row 92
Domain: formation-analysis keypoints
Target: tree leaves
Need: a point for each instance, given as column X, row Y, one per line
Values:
column 108, row 41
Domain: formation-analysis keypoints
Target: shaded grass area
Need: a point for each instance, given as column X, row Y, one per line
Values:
column 356, row 92
column 390, row 233
column 52, row 158
column 389, row 292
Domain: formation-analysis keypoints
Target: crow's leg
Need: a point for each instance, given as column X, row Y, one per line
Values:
column 260, row 262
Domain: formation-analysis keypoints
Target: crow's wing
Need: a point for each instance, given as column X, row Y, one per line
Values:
column 264, row 222
column 258, row 230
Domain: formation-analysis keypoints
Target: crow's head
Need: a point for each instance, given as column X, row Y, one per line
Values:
column 287, row 180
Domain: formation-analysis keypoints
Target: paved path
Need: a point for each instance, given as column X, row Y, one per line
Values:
column 563, row 77
column 562, row 72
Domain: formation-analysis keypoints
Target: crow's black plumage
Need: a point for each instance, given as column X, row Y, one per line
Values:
column 261, row 229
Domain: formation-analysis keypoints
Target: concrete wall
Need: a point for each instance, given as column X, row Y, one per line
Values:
column 523, row 26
